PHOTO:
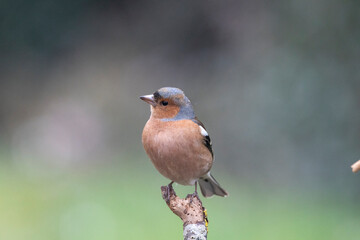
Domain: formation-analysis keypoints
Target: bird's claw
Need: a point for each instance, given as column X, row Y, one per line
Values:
column 167, row 192
column 192, row 196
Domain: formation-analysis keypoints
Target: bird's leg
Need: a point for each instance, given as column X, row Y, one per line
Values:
column 195, row 194
column 168, row 191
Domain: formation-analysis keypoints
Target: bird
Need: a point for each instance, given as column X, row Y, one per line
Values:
column 177, row 142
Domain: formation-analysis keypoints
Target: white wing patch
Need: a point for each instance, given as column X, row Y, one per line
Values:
column 203, row 131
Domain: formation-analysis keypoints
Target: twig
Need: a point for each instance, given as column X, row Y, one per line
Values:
column 191, row 212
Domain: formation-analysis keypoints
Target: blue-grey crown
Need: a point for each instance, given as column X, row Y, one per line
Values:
column 167, row 92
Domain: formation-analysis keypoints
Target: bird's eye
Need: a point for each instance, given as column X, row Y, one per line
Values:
column 164, row 103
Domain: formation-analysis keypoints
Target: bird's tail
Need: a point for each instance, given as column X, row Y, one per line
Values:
column 209, row 186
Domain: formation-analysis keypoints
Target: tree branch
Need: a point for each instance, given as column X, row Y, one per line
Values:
column 191, row 212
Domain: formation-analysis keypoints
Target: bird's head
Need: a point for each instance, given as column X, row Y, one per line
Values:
column 169, row 104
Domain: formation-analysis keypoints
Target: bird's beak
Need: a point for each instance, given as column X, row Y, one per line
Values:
column 149, row 99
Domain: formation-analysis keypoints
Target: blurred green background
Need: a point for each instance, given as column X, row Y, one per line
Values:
column 276, row 83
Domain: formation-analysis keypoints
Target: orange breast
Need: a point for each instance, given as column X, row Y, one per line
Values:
column 176, row 149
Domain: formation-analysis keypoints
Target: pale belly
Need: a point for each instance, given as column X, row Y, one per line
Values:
column 178, row 156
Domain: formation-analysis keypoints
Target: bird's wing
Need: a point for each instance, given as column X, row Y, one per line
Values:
column 204, row 133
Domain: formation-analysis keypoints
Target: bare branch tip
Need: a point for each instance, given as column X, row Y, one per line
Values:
column 190, row 210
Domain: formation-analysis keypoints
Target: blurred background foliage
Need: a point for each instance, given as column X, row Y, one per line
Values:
column 276, row 84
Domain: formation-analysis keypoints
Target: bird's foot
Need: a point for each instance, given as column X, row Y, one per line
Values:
column 195, row 194
column 192, row 196
column 168, row 191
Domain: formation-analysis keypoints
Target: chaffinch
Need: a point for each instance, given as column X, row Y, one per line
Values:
column 177, row 142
